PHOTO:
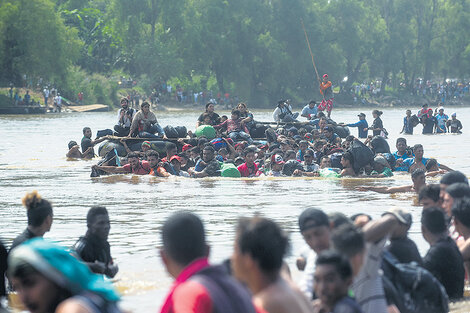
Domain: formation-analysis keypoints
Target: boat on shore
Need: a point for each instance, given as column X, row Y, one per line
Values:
column 27, row 109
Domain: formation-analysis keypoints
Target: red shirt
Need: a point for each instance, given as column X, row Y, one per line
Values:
column 188, row 296
column 246, row 171
column 142, row 169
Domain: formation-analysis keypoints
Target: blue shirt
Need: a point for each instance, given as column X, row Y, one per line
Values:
column 408, row 126
column 404, row 157
column 441, row 123
column 360, row 128
column 307, row 111
column 410, row 161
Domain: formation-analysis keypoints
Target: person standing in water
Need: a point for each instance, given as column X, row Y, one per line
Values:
column 326, row 89
column 40, row 216
column 377, row 125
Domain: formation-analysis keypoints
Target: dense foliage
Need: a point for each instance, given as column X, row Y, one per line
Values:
column 254, row 49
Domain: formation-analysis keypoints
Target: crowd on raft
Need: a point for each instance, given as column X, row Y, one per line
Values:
column 350, row 264
column 318, row 147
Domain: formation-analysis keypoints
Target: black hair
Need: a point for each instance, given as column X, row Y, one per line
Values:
column 349, row 156
column 458, row 190
column 430, row 163
column 312, row 101
column 170, row 146
column 348, row 240
column 313, row 217
column 430, row 191
column 264, row 241
column 236, row 112
column 132, row 155
column 289, row 152
column 434, row 220
column 85, row 129
column 379, row 113
column 401, row 139
column 248, row 150
column 183, row 237
column 417, row 172
column 72, row 144
column 201, row 141
column 152, row 153
column 454, row 177
column 461, row 210
column 94, row 212
column 209, row 147
column 224, row 116
column 124, row 100
column 208, row 103
column 145, row 103
column 417, row 146
column 337, row 219
column 38, row 209
column 341, row 264
column 243, row 104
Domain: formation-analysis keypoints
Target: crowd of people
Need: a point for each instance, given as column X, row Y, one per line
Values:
column 351, row 264
column 316, row 147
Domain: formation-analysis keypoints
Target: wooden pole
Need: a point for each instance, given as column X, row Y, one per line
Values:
column 310, row 49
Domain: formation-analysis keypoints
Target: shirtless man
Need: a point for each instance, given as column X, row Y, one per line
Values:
column 261, row 271
column 419, row 181
column 74, row 151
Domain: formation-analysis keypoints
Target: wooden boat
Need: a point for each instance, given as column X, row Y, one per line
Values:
column 27, row 109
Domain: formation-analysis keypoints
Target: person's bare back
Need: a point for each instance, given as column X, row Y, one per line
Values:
column 282, row 297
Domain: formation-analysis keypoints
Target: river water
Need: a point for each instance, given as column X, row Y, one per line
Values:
column 32, row 157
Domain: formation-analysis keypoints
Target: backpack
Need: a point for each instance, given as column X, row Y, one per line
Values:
column 362, row 155
column 412, row 288
column 171, row 132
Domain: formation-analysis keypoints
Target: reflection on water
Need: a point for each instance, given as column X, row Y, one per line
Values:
column 32, row 156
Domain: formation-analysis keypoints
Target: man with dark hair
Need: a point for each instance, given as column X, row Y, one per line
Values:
column 428, row 196
column 207, row 166
column 145, row 124
column 333, row 276
column 93, row 248
column 74, row 150
column 314, row 227
column 461, row 214
column 364, row 250
column 87, row 143
column 249, row 168
column 453, row 192
column 418, row 177
column 257, row 259
column 451, row 178
column 125, row 115
column 402, row 153
column 198, row 287
column 401, row 246
column 135, row 166
column 156, row 168
column 418, row 161
column 443, row 259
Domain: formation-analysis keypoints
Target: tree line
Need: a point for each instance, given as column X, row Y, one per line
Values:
column 254, row 49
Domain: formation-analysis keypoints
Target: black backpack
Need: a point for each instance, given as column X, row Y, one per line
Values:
column 362, row 155
column 412, row 288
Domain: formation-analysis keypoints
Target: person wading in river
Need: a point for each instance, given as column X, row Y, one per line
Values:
column 40, row 218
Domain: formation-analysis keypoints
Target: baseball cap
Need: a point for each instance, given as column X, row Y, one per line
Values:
column 361, row 114
column 277, row 158
column 453, row 114
column 312, row 217
column 186, row 147
column 325, row 75
column 175, row 157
